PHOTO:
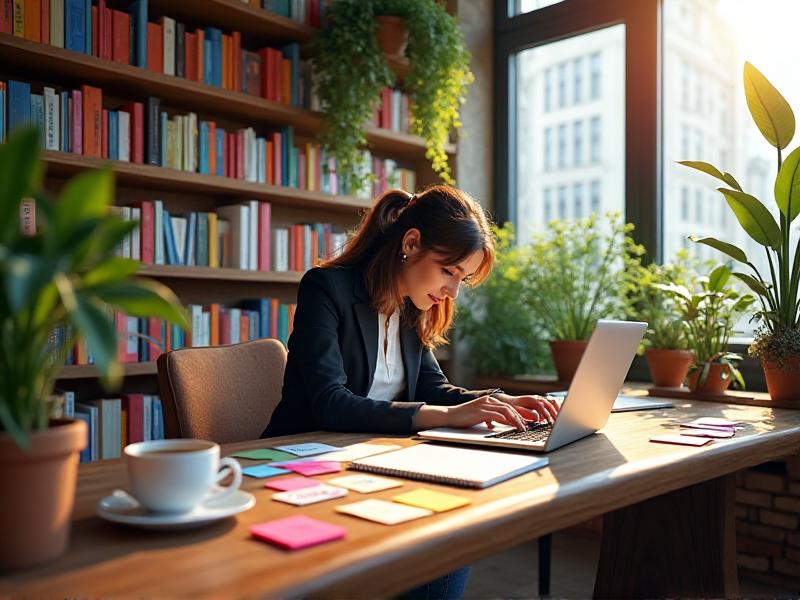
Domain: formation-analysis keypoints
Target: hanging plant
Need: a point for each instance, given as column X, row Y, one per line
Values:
column 351, row 70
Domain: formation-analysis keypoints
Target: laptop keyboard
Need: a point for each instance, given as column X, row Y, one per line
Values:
column 536, row 432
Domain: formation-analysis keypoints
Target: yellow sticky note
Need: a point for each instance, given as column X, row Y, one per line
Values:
column 435, row 501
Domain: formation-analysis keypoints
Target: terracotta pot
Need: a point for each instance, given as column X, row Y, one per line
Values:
column 714, row 383
column 668, row 368
column 567, row 356
column 37, row 492
column 783, row 384
column 392, row 35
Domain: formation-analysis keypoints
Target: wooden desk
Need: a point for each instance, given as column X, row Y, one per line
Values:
column 668, row 527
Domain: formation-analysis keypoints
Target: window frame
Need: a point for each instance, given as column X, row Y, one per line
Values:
column 643, row 35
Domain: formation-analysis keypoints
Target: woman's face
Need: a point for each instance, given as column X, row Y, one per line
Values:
column 425, row 280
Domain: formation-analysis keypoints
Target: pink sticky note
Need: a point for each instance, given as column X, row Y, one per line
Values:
column 316, row 467
column 292, row 483
column 293, row 533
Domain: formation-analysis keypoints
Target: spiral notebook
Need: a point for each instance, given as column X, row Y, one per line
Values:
column 463, row 467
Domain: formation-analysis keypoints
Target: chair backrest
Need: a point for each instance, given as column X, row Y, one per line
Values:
column 223, row 394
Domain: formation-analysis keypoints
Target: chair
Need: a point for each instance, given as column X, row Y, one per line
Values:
column 223, row 394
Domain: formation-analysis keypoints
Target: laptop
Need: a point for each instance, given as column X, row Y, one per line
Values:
column 586, row 406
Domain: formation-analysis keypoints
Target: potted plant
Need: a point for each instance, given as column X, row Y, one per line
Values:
column 502, row 334
column 64, row 273
column 575, row 274
column 351, row 70
column 664, row 343
column 776, row 341
column 708, row 315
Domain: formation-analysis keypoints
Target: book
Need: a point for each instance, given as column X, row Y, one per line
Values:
column 462, row 467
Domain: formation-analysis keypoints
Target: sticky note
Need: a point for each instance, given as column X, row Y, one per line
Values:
column 261, row 471
column 294, row 533
column 681, row 440
column 716, row 422
column 291, row 483
column 435, row 501
column 313, row 467
column 264, row 454
column 711, row 433
column 311, row 495
column 356, row 451
column 308, row 449
column 365, row 484
column 381, row 511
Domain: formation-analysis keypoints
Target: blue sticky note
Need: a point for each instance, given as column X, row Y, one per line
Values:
column 308, row 449
column 261, row 471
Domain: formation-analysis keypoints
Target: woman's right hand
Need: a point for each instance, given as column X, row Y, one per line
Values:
column 481, row 410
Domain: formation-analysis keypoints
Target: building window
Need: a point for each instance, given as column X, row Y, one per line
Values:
column 577, row 139
column 685, row 141
column 698, row 92
column 562, row 202
column 698, row 207
column 577, row 80
column 548, row 89
column 562, row 85
column 685, row 203
column 685, row 86
column 548, row 146
column 595, row 196
column 577, row 198
column 595, row 66
column 595, row 139
column 698, row 150
column 548, row 205
column 562, row 146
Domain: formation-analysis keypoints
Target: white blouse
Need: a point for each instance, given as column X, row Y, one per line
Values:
column 390, row 375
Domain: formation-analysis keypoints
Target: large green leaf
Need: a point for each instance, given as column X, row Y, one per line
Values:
column 20, row 175
column 754, row 284
column 754, row 218
column 111, row 271
column 95, row 326
column 143, row 298
column 734, row 252
column 25, row 277
column 86, row 195
column 787, row 186
column 731, row 181
column 718, row 278
column 772, row 114
column 704, row 167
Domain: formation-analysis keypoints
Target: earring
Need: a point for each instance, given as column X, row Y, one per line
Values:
column 403, row 258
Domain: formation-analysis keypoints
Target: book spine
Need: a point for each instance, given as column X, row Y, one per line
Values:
column 152, row 129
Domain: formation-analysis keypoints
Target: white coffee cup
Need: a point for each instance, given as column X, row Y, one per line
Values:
column 178, row 475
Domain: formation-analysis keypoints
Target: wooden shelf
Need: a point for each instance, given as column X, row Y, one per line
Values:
column 44, row 61
column 161, row 178
column 218, row 274
column 90, row 372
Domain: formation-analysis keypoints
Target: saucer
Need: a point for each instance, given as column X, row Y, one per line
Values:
column 121, row 507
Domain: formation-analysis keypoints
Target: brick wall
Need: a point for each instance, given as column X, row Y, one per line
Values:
column 768, row 523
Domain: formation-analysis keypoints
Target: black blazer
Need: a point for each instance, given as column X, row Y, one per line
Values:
column 332, row 355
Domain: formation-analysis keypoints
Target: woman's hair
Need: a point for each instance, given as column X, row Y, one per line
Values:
column 452, row 225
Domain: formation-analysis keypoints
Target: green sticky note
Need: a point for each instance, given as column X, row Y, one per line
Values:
column 264, row 454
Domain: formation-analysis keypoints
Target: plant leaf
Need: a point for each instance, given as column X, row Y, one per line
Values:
column 731, row 181
column 110, row 271
column 718, row 278
column 733, row 251
column 705, row 167
column 754, row 218
column 787, row 186
column 20, row 175
column 772, row 114
column 95, row 326
column 754, row 284
column 85, row 196
column 142, row 298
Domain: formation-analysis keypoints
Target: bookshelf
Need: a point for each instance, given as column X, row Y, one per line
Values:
column 183, row 191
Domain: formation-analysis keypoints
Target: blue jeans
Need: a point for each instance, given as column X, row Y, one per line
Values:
column 447, row 587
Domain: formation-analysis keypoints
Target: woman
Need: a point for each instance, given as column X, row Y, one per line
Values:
column 360, row 354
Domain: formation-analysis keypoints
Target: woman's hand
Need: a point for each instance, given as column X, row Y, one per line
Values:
column 485, row 410
column 532, row 408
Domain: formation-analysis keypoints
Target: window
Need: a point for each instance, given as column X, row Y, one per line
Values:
column 548, row 89
column 525, row 6
column 577, row 139
column 595, row 197
column 698, row 92
column 698, row 206
column 698, row 144
column 685, row 203
column 548, row 146
column 548, row 205
column 562, row 85
column 684, row 86
column 577, row 80
column 595, row 141
column 562, row 146
column 596, row 74
column 562, row 202
column 684, row 140
column 577, row 199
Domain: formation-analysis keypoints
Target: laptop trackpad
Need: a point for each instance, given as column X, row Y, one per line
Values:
column 477, row 432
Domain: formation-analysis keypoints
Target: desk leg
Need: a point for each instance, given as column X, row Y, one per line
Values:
column 679, row 544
